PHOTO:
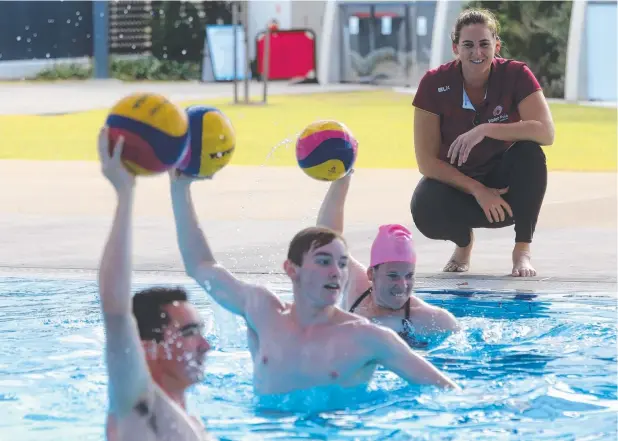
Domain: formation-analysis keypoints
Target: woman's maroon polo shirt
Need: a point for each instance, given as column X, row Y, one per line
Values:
column 441, row 92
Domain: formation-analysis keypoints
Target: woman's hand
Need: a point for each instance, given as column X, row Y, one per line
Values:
column 464, row 143
column 490, row 200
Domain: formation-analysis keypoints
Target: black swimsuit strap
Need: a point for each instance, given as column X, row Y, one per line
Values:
column 360, row 299
column 407, row 307
column 366, row 293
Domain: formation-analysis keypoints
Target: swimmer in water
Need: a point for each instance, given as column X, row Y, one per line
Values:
column 154, row 344
column 310, row 342
column 383, row 292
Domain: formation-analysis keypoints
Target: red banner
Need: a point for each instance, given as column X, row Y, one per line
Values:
column 292, row 54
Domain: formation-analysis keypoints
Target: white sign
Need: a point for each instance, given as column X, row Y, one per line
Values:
column 218, row 63
column 353, row 25
column 387, row 25
column 421, row 26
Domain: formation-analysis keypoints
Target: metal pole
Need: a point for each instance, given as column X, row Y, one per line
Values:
column 100, row 22
column 247, row 58
column 266, row 61
column 234, row 30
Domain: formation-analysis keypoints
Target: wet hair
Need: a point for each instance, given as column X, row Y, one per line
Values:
column 308, row 239
column 149, row 310
column 476, row 16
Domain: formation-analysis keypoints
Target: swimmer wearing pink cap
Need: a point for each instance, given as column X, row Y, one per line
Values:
column 383, row 292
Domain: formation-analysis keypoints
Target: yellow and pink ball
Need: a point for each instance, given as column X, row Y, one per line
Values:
column 326, row 150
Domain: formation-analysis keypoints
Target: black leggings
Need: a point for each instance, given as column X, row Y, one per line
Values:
column 446, row 213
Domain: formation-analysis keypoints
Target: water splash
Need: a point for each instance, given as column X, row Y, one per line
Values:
column 286, row 142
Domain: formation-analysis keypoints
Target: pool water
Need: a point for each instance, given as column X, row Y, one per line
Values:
column 532, row 367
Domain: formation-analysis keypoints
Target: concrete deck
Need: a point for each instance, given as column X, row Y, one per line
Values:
column 55, row 216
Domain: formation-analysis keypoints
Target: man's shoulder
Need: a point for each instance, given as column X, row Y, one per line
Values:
column 357, row 327
column 263, row 302
column 346, row 318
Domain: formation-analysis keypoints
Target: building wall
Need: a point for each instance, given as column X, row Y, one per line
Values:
column 261, row 13
column 591, row 72
column 309, row 15
column 600, row 50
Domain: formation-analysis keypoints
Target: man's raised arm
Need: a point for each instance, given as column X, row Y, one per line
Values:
column 233, row 294
column 126, row 363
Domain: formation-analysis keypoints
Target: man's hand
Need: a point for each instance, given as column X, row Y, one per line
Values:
column 111, row 163
column 180, row 179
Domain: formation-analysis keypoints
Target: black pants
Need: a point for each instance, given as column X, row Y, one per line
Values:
column 446, row 213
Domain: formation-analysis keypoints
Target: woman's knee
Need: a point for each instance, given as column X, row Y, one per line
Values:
column 427, row 206
column 528, row 151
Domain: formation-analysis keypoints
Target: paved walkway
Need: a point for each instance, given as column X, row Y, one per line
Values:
column 42, row 98
column 54, row 216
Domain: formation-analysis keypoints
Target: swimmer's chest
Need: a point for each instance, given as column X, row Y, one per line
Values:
column 327, row 356
column 164, row 421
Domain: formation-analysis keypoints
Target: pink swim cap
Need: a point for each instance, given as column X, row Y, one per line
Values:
column 392, row 244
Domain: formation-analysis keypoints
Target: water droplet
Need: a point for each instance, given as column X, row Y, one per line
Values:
column 28, row 40
column 76, row 12
column 35, row 34
column 47, row 55
column 184, row 52
column 165, row 56
column 27, row 28
column 102, row 14
column 69, row 21
column 18, row 38
column 50, row 20
column 120, row 36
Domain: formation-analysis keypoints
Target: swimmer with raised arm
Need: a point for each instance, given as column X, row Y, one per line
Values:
column 310, row 342
column 383, row 292
column 154, row 346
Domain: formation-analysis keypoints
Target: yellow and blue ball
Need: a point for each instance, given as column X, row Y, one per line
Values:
column 155, row 131
column 326, row 150
column 212, row 144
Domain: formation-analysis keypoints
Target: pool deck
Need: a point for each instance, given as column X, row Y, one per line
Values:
column 55, row 216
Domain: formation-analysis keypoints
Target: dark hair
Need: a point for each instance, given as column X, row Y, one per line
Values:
column 476, row 16
column 309, row 238
column 149, row 311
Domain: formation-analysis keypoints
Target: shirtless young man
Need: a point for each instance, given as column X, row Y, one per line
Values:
column 154, row 346
column 310, row 342
column 383, row 292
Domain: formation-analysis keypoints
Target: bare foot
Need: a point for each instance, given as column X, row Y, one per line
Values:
column 521, row 261
column 460, row 260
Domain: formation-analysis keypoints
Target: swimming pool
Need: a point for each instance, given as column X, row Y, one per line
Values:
column 532, row 367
